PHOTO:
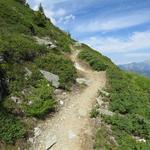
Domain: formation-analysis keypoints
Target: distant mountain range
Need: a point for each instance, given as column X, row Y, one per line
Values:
column 142, row 68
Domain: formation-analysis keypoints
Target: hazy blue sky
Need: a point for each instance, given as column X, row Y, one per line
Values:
column 120, row 29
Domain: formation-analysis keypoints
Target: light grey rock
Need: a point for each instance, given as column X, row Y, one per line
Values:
column 54, row 79
column 30, row 103
column 58, row 91
column 104, row 93
column 82, row 81
column 45, row 41
column 16, row 99
column 28, row 72
column 52, row 46
column 31, row 140
column 37, row 131
column 61, row 103
column 105, row 112
column 139, row 139
column 99, row 101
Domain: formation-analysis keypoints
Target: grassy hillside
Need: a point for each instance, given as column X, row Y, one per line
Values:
column 130, row 100
column 25, row 93
column 24, row 90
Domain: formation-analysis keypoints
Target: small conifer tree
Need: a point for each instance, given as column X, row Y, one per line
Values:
column 22, row 1
column 41, row 9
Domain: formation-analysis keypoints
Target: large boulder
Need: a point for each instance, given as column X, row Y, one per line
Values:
column 45, row 41
column 54, row 79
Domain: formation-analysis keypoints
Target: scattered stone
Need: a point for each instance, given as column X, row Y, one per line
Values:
column 71, row 134
column 58, row 91
column 28, row 72
column 15, row 99
column 105, row 112
column 54, row 79
column 139, row 139
column 37, row 131
column 112, row 139
column 61, row 103
column 104, row 93
column 30, row 103
column 82, row 81
column 31, row 140
column 99, row 100
column 52, row 46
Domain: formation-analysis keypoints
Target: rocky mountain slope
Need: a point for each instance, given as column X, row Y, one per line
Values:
column 142, row 68
column 36, row 64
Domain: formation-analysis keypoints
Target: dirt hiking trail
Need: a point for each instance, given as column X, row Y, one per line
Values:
column 70, row 128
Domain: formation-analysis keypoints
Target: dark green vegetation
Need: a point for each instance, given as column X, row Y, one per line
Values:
column 25, row 93
column 104, row 139
column 96, row 60
column 60, row 66
column 94, row 113
column 23, row 90
column 130, row 100
column 11, row 128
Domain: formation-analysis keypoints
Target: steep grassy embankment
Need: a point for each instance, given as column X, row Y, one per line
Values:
column 130, row 100
column 24, row 90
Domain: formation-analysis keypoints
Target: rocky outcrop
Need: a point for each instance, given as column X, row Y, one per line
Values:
column 45, row 41
column 54, row 79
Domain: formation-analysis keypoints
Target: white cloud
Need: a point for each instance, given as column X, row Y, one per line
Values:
column 48, row 1
column 137, row 41
column 54, row 14
column 60, row 12
column 132, row 57
column 66, row 19
column 112, row 23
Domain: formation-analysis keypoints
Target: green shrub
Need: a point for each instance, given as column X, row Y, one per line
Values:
column 42, row 100
column 10, row 128
column 94, row 113
column 103, row 139
column 20, row 48
column 129, row 97
column 40, row 19
column 95, row 59
column 59, row 65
